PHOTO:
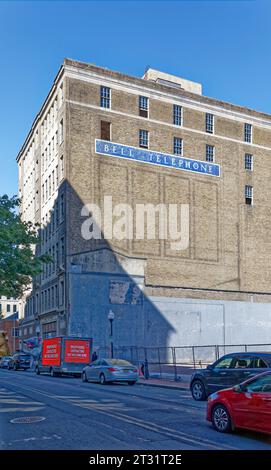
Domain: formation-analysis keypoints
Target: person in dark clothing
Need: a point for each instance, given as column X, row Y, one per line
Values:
column 145, row 369
column 94, row 356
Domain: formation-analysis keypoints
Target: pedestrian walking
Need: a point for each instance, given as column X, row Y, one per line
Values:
column 146, row 369
column 94, row 356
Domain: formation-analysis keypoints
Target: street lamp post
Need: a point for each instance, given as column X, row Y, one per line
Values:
column 111, row 317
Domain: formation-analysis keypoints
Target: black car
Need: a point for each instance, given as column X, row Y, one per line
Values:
column 229, row 370
column 19, row 361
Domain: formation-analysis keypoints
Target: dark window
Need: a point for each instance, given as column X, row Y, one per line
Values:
column 143, row 106
column 259, row 363
column 105, row 97
column 105, row 130
column 243, row 362
column 249, row 195
column 177, row 115
column 14, row 308
column 260, row 385
column 143, row 138
column 225, row 363
column 8, row 307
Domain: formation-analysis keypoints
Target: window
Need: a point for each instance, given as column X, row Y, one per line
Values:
column 249, row 195
column 61, row 168
column 177, row 146
column 259, row 385
column 61, row 132
column 243, row 362
column 8, row 308
column 62, row 252
column 105, row 130
column 225, row 363
column 14, row 308
column 209, row 123
column 143, row 138
column 177, row 115
column 248, row 132
column 259, row 363
column 62, row 207
column 210, row 153
column 61, row 293
column 143, row 106
column 105, row 97
column 248, row 161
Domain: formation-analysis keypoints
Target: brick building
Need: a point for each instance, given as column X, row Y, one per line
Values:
column 10, row 326
column 179, row 147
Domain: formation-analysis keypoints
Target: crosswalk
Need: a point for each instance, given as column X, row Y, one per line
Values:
column 11, row 402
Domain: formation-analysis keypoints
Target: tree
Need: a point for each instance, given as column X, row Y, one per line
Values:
column 18, row 263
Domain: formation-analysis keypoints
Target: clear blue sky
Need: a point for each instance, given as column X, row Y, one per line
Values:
column 225, row 45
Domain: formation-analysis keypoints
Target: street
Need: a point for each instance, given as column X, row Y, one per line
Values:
column 70, row 414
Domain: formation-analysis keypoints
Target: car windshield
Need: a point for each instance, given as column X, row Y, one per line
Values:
column 261, row 384
column 118, row 362
column 24, row 356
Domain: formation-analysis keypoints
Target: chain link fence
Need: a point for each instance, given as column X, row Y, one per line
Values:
column 172, row 362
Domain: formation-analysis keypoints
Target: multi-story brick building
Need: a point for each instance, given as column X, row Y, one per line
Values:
column 180, row 147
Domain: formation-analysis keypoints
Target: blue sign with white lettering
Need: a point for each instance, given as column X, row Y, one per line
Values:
column 156, row 158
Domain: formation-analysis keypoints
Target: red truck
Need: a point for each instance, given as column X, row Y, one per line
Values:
column 64, row 355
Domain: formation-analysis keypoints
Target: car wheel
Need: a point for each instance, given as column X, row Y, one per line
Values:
column 102, row 379
column 221, row 419
column 84, row 377
column 37, row 371
column 131, row 382
column 198, row 390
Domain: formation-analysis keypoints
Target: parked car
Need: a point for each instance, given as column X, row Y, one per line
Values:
column 229, row 370
column 4, row 362
column 109, row 371
column 246, row 406
column 19, row 361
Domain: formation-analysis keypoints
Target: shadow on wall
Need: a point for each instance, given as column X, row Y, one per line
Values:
column 104, row 278
column 86, row 280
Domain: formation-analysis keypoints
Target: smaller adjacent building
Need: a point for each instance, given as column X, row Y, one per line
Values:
column 9, row 306
column 10, row 325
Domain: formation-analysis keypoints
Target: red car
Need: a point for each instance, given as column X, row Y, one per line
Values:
column 246, row 406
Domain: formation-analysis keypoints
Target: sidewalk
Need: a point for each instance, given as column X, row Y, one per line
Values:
column 182, row 384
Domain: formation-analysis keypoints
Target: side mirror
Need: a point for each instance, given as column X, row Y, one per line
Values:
column 209, row 367
column 238, row 389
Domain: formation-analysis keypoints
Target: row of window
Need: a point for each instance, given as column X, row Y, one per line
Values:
column 51, row 184
column 143, row 142
column 50, row 299
column 177, row 113
column 57, row 255
column 52, row 112
column 9, row 308
column 50, row 223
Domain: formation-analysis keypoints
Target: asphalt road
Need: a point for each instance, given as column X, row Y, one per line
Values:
column 78, row 415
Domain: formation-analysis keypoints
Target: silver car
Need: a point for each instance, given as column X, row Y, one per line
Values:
column 109, row 371
column 4, row 362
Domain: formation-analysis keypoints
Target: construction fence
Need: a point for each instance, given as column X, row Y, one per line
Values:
column 173, row 362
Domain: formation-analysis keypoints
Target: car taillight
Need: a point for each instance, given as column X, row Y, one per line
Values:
column 112, row 369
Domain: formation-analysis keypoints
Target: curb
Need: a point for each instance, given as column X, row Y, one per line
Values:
column 172, row 387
